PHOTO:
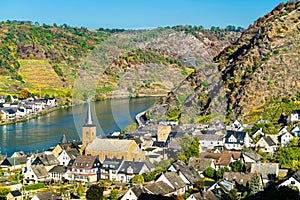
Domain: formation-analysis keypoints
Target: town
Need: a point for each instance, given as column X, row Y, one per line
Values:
column 13, row 109
column 161, row 161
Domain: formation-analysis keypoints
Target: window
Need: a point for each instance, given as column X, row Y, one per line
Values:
column 293, row 182
column 87, row 134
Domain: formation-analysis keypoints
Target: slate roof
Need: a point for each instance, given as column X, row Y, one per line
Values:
column 46, row 159
column 135, row 166
column 58, row 169
column 240, row 136
column 72, row 153
column 159, row 187
column 14, row 161
column 209, row 195
column 268, row 171
column 269, row 141
column 113, row 145
column 210, row 137
column 112, row 163
column 137, row 190
column 175, row 180
column 19, row 153
column 16, row 193
column 146, row 196
column 239, row 178
column 40, row 171
column 200, row 164
column 46, row 195
column 189, row 172
column 253, row 155
column 86, row 162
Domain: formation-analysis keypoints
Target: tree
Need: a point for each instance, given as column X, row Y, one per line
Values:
column 189, row 147
column 254, row 185
column 4, row 191
column 294, row 142
column 232, row 194
column 24, row 94
column 209, row 172
column 220, row 172
column 137, row 179
column 95, row 192
column 238, row 166
column 8, row 99
column 114, row 194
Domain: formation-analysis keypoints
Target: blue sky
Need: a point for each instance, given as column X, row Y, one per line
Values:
column 133, row 14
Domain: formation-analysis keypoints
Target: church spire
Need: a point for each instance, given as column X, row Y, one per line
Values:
column 89, row 119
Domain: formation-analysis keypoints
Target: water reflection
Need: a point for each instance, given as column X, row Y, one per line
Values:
column 39, row 134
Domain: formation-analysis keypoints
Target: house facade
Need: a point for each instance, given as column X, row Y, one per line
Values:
column 84, row 168
column 236, row 140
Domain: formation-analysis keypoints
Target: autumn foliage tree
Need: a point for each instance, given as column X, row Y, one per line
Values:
column 24, row 94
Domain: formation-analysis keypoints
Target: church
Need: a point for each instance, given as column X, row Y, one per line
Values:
column 104, row 148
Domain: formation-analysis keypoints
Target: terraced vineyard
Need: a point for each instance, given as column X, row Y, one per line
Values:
column 38, row 74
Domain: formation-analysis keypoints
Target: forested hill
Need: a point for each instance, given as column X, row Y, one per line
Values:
column 47, row 58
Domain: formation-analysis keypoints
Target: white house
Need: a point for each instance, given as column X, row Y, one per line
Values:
column 129, row 169
column 21, row 112
column 58, row 173
column 174, row 181
column 8, row 114
column 285, row 138
column 209, row 141
column 266, row 144
column 258, row 132
column 236, row 140
column 291, row 180
column 36, row 173
column 295, row 116
column 51, row 102
column 66, row 155
column 296, row 131
column 133, row 193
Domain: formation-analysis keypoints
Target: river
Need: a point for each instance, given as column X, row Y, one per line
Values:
column 37, row 135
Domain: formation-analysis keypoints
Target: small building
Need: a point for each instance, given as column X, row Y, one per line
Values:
column 296, row 131
column 236, row 140
column 14, row 163
column 110, row 168
column 268, row 171
column 129, row 169
column 14, row 195
column 67, row 155
column 160, row 188
column 202, row 195
column 292, row 180
column 45, row 196
column 84, row 168
column 58, row 173
column 266, row 144
column 285, row 138
column 174, row 181
column 36, row 173
column 47, row 160
column 295, row 116
column 187, row 173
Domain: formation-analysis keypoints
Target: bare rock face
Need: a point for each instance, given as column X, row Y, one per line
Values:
column 264, row 63
column 261, row 66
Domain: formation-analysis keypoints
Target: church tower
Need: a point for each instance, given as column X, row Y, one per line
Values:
column 89, row 128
